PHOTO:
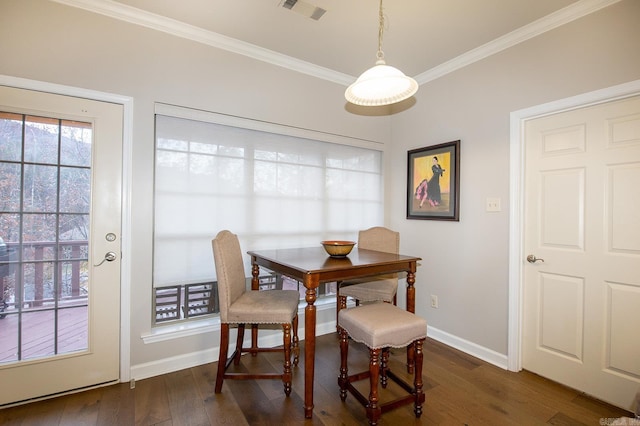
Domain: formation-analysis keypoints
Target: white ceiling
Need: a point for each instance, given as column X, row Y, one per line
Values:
column 420, row 35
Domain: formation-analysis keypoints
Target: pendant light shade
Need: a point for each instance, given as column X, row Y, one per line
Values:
column 382, row 84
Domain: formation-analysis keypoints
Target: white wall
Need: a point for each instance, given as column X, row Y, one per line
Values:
column 46, row 41
column 466, row 264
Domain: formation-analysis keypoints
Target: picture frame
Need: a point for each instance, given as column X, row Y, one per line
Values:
column 433, row 182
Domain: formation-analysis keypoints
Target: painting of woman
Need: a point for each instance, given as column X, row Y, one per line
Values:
column 435, row 197
column 433, row 175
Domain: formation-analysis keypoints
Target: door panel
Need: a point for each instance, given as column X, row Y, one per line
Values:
column 623, row 203
column 582, row 216
column 561, row 313
column 562, row 199
column 63, row 317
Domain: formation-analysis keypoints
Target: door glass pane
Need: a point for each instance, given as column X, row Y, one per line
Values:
column 38, row 228
column 75, row 187
column 10, row 173
column 11, row 133
column 8, row 338
column 41, row 137
column 73, row 336
column 39, row 341
column 40, row 188
column 45, row 191
column 75, row 143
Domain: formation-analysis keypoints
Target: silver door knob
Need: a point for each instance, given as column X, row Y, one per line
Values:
column 533, row 259
column 108, row 257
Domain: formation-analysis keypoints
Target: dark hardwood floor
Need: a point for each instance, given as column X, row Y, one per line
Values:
column 460, row 390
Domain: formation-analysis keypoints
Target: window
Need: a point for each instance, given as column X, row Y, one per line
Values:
column 266, row 183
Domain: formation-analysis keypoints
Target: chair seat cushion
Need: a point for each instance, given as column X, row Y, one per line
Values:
column 264, row 307
column 382, row 325
column 374, row 290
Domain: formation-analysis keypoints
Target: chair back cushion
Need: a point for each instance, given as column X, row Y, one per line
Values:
column 383, row 239
column 229, row 269
column 380, row 239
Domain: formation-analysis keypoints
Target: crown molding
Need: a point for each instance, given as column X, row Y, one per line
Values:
column 156, row 22
column 140, row 17
column 554, row 20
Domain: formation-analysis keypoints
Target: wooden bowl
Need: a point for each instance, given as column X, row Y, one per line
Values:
column 337, row 248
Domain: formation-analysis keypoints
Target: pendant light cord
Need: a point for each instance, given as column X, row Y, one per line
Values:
column 380, row 54
column 381, row 84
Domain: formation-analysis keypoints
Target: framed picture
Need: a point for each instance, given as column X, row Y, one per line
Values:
column 433, row 182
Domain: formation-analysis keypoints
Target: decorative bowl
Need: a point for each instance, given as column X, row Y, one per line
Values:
column 337, row 248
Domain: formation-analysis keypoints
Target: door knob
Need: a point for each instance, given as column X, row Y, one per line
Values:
column 108, row 257
column 533, row 259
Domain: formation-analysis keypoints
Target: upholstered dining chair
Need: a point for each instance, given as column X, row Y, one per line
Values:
column 373, row 289
column 239, row 307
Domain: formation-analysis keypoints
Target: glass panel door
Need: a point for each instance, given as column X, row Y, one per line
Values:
column 45, row 188
column 60, row 217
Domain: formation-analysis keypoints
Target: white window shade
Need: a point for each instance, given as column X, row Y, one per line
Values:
column 273, row 190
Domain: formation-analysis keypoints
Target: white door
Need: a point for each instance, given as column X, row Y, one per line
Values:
column 60, row 215
column 582, row 223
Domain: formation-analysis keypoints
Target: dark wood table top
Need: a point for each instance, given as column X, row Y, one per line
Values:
column 299, row 262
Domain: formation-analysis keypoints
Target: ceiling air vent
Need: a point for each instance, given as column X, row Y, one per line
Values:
column 288, row 4
column 303, row 8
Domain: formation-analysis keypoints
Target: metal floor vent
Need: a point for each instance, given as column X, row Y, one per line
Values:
column 303, row 8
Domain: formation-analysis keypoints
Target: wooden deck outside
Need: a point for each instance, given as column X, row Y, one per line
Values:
column 33, row 333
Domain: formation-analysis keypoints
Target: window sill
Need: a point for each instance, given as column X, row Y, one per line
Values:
column 181, row 329
column 192, row 328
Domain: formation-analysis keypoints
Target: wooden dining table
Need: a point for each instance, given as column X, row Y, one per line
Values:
column 313, row 266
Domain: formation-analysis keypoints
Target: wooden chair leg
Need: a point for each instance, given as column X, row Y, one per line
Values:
column 384, row 367
column 222, row 358
column 342, row 304
column 296, row 342
column 411, row 362
column 337, row 302
column 239, row 340
column 417, row 381
column 254, row 340
column 343, row 378
column 373, row 409
column 286, row 375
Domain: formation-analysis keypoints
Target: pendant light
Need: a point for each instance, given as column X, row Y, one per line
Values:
column 382, row 84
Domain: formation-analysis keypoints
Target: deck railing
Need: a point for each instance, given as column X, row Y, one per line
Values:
column 45, row 273
column 38, row 273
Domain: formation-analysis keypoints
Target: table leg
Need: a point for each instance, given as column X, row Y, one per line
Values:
column 255, row 286
column 411, row 307
column 309, row 347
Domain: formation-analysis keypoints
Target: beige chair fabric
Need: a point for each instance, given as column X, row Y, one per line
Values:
column 237, row 305
column 380, row 288
column 382, row 325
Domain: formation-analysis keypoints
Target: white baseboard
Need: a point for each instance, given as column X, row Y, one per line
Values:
column 171, row 364
column 473, row 349
column 193, row 359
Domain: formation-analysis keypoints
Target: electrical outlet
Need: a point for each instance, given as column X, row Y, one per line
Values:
column 434, row 301
column 493, row 205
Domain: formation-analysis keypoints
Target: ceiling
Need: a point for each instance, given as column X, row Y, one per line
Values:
column 419, row 36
